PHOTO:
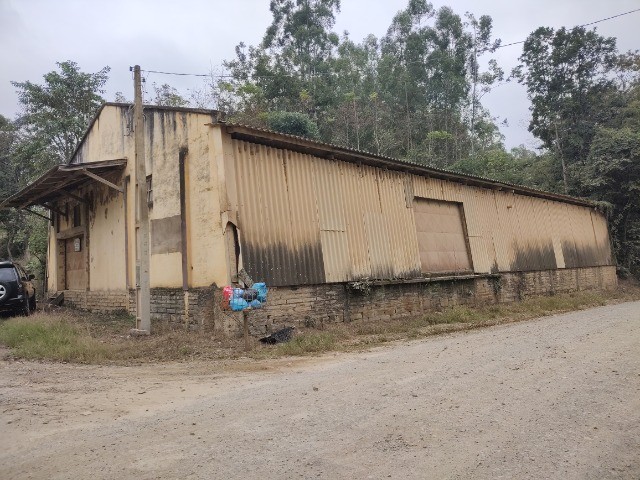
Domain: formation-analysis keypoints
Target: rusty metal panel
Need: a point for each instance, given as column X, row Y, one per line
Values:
column 361, row 195
column 476, row 204
column 304, row 223
column 533, row 249
column 588, row 251
column 327, row 189
column 304, row 219
column 335, row 251
column 441, row 239
column 399, row 223
column 554, row 216
column 378, row 245
column 601, row 232
column 504, row 230
column 280, row 240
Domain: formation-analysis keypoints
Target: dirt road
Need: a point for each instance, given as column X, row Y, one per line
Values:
column 557, row 397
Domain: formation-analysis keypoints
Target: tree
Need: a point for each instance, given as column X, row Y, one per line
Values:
column 56, row 113
column 567, row 73
column 612, row 174
column 429, row 72
column 481, row 82
column 168, row 96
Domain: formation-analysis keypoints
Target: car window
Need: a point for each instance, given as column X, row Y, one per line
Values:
column 8, row 274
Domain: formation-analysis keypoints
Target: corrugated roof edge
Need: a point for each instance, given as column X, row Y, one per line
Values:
column 381, row 160
column 215, row 114
column 402, row 165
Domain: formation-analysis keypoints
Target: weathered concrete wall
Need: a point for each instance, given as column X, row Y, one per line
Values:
column 168, row 134
column 107, row 242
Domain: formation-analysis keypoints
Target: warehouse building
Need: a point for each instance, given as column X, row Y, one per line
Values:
column 337, row 234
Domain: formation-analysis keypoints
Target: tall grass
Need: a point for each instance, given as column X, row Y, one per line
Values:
column 50, row 339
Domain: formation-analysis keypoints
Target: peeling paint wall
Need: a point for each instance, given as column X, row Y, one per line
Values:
column 107, row 240
column 309, row 220
column 166, row 132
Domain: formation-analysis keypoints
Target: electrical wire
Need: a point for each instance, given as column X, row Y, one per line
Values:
column 210, row 75
column 579, row 26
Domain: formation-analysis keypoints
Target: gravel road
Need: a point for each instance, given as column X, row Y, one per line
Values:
column 557, row 397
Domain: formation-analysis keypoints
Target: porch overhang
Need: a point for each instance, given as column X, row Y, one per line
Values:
column 62, row 180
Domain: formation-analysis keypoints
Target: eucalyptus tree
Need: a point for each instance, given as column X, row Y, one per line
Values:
column 429, row 71
column 567, row 74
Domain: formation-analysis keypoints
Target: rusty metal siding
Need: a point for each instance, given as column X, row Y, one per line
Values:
column 601, row 235
column 304, row 219
column 277, row 222
column 441, row 236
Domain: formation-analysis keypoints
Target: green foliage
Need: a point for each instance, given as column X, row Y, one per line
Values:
column 567, row 75
column 292, row 123
column 381, row 95
column 54, row 117
column 57, row 112
column 612, row 174
column 519, row 166
column 38, row 338
column 167, row 95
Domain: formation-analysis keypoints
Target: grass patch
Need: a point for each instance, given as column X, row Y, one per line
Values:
column 308, row 343
column 51, row 339
column 72, row 336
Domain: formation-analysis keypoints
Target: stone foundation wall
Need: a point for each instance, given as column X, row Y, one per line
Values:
column 315, row 305
column 99, row 301
column 194, row 307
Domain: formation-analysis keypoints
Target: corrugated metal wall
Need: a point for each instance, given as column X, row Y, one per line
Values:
column 309, row 220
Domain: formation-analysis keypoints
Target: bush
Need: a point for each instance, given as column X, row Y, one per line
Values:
column 293, row 123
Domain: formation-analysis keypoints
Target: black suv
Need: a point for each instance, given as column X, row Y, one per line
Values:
column 16, row 290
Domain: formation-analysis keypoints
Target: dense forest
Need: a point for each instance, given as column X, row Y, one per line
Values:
column 414, row 94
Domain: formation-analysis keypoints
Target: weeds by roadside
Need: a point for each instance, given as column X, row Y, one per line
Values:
column 72, row 336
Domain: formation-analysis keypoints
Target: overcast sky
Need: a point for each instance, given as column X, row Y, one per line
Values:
column 195, row 35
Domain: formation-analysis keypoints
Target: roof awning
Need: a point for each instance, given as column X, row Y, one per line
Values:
column 61, row 180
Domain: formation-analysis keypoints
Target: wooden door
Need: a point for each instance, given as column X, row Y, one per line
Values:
column 75, row 271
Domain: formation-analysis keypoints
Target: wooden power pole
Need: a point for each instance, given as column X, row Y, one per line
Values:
column 143, row 290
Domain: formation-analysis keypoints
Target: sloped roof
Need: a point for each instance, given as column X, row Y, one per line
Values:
column 337, row 152
column 60, row 179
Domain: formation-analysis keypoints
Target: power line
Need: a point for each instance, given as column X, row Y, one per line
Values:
column 210, row 75
column 578, row 26
column 180, row 74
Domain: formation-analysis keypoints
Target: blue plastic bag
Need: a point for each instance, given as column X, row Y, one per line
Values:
column 238, row 304
column 256, row 304
column 262, row 291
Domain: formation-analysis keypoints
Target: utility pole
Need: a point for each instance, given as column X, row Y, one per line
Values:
column 143, row 290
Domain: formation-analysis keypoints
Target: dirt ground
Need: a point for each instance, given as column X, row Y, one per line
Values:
column 557, row 397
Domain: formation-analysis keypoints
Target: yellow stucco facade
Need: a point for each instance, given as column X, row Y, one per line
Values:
column 110, row 215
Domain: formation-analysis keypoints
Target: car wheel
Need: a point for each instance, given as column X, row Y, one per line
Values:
column 32, row 303
column 4, row 293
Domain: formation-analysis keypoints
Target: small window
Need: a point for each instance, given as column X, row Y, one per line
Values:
column 77, row 216
column 149, row 191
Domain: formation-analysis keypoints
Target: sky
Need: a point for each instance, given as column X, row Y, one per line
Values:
column 194, row 36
